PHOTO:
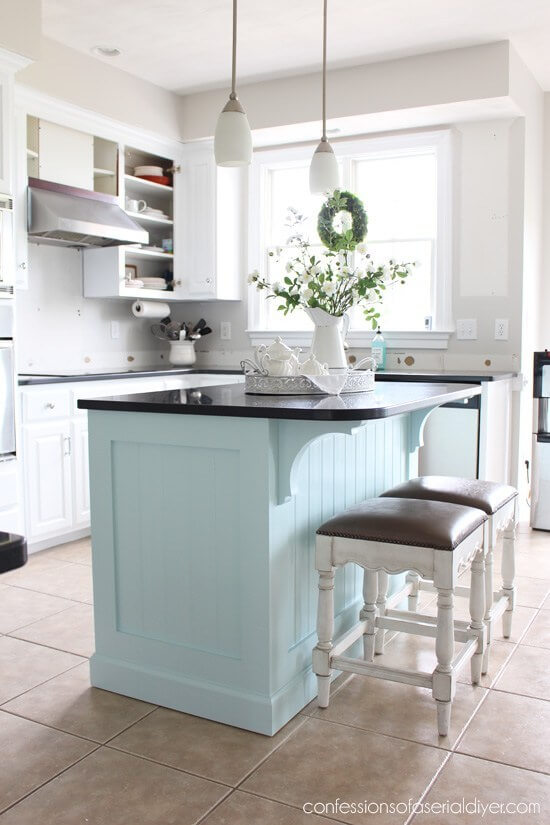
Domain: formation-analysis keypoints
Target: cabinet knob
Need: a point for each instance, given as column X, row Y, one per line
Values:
column 50, row 405
column 178, row 283
column 23, row 265
column 209, row 280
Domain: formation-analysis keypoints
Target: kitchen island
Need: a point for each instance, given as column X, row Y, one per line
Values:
column 204, row 509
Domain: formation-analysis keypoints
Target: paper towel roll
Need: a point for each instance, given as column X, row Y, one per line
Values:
column 150, row 309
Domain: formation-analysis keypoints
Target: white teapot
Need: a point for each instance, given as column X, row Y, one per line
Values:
column 311, row 366
column 277, row 359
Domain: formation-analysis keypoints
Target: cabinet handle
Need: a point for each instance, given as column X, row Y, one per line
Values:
column 68, row 445
column 50, row 405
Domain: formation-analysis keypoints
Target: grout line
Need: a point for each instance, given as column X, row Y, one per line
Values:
column 85, row 656
column 53, row 595
column 49, row 679
column 51, row 779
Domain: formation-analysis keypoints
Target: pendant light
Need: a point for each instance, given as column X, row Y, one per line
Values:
column 232, row 139
column 323, row 172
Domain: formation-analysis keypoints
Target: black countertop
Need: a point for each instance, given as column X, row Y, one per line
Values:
column 72, row 376
column 444, row 376
column 392, row 398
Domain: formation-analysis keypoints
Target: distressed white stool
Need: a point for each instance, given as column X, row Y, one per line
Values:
column 500, row 502
column 392, row 535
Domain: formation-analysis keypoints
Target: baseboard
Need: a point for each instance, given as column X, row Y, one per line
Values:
column 54, row 541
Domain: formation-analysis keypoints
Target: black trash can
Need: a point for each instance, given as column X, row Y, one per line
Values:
column 13, row 551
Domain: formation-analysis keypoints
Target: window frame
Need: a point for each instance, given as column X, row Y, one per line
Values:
column 349, row 150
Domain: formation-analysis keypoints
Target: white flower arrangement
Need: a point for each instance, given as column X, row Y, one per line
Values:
column 333, row 281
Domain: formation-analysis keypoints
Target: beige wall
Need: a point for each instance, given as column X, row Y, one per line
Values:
column 21, row 26
column 81, row 79
column 436, row 79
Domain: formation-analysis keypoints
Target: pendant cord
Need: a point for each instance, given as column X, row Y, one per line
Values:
column 233, row 95
column 324, row 137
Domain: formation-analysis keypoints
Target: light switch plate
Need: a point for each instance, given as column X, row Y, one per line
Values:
column 501, row 329
column 115, row 330
column 225, row 330
column 466, row 329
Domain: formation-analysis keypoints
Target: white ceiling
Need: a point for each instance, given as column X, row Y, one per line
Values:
column 185, row 45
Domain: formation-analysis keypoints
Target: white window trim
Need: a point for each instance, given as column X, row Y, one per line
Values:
column 442, row 140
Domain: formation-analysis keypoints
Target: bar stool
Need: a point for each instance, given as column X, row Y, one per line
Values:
column 500, row 502
column 393, row 535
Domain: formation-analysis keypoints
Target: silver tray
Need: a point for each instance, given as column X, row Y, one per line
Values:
column 254, row 384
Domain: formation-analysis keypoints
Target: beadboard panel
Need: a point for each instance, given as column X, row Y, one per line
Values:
column 163, row 574
column 335, row 472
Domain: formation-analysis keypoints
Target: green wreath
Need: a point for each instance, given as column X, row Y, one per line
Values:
column 342, row 202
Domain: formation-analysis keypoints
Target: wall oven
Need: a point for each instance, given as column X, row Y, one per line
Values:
column 7, row 383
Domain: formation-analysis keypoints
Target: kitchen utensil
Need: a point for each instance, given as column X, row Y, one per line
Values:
column 140, row 171
column 199, row 325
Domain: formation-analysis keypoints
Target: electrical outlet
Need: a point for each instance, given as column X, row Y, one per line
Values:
column 466, row 329
column 501, row 329
column 115, row 330
column 225, row 330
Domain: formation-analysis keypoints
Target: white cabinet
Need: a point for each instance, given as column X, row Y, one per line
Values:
column 109, row 271
column 81, row 484
column 6, row 125
column 214, row 219
column 48, row 478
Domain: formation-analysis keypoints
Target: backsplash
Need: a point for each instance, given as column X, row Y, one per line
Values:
column 57, row 329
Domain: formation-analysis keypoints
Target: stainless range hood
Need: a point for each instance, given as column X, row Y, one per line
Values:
column 68, row 216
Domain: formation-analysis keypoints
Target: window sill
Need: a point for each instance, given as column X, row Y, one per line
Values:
column 359, row 339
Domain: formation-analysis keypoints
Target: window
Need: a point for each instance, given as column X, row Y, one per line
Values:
column 403, row 181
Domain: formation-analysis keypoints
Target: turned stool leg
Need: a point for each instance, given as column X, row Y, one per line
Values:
column 508, row 575
column 368, row 613
column 488, row 604
column 414, row 580
column 477, row 612
column 383, row 581
column 325, row 630
column 443, row 683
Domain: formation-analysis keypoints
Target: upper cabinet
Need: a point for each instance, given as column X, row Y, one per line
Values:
column 193, row 211
column 213, row 210
column 6, row 124
column 124, row 271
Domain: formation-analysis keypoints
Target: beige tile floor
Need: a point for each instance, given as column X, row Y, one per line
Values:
column 72, row 754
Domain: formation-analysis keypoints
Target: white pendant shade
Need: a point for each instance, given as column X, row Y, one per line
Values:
column 323, row 172
column 232, row 139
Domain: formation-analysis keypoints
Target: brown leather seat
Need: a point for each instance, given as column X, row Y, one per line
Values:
column 485, row 495
column 434, row 524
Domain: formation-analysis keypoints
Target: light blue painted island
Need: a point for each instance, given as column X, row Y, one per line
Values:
column 204, row 510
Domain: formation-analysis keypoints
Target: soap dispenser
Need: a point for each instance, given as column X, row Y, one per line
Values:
column 378, row 349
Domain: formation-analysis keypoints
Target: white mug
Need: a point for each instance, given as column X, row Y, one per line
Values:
column 135, row 205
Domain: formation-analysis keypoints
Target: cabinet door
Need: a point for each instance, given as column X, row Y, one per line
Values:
column 194, row 210
column 6, row 122
column 81, row 478
column 47, row 472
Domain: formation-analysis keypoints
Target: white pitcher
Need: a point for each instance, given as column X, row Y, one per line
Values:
column 329, row 334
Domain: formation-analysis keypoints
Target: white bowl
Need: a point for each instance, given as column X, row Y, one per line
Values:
column 156, row 171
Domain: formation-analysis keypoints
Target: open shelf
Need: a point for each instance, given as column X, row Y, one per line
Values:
column 141, row 216
column 148, row 253
column 146, row 186
column 146, row 294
